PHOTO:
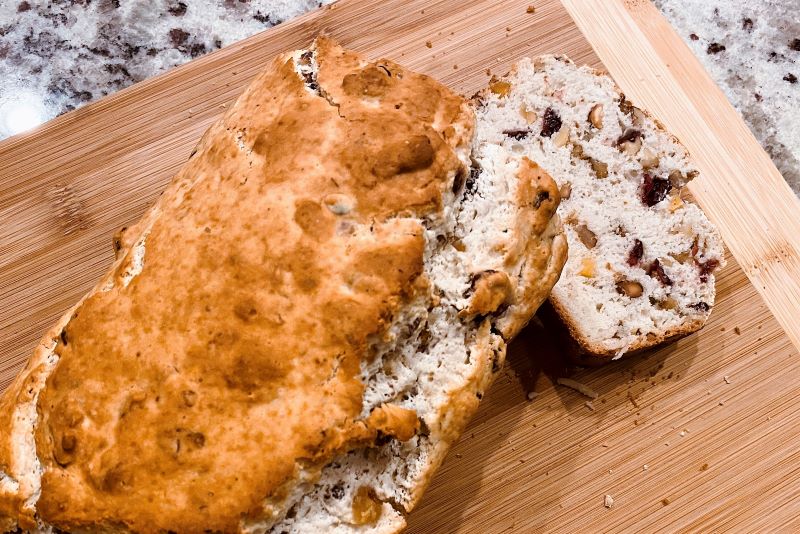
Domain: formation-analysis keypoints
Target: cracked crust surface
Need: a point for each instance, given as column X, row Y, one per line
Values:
column 242, row 344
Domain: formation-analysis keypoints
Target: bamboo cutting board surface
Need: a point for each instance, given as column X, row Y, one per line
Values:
column 702, row 435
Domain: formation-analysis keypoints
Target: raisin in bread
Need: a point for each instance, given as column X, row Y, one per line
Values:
column 291, row 339
column 642, row 257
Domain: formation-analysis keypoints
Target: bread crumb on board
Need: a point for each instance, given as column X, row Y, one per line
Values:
column 665, row 501
column 530, row 10
column 727, row 379
column 608, row 501
column 577, row 386
column 429, row 44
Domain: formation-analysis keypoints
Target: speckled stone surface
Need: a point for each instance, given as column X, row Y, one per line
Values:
column 752, row 50
column 56, row 55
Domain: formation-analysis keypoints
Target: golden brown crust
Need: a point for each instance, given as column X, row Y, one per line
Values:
column 545, row 249
column 13, row 508
column 491, row 291
column 254, row 304
column 190, row 395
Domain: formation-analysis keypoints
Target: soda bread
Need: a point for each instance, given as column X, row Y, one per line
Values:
column 642, row 258
column 293, row 336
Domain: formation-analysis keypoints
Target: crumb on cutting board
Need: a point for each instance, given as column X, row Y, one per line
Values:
column 583, row 389
column 608, row 501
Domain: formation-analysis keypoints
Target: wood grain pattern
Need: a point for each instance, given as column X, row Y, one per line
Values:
column 522, row 466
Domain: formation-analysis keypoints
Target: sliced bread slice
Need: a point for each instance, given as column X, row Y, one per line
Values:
column 642, row 256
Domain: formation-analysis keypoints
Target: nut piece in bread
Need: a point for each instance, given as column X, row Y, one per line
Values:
column 291, row 338
column 642, row 255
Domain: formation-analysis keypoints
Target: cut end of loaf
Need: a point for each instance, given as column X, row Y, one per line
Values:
column 437, row 359
column 439, row 356
column 642, row 256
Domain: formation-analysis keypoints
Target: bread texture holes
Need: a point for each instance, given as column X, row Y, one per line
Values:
column 459, row 180
column 517, row 134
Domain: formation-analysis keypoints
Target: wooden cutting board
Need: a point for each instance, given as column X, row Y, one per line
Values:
column 703, row 435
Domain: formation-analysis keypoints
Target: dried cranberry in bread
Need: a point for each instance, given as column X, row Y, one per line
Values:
column 293, row 336
column 642, row 257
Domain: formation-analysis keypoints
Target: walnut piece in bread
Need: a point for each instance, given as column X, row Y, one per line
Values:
column 290, row 339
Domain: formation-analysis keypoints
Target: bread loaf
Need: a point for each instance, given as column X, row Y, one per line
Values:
column 642, row 256
column 293, row 336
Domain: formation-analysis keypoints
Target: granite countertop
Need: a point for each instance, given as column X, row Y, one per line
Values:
column 56, row 55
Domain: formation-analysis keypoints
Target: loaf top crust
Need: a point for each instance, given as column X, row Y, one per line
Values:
column 224, row 349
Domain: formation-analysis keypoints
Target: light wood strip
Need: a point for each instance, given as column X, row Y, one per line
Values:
column 739, row 187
